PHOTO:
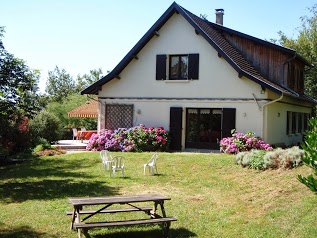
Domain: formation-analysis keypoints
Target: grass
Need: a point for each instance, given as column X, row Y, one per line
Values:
column 210, row 196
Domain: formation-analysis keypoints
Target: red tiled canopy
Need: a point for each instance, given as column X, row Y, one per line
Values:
column 89, row 109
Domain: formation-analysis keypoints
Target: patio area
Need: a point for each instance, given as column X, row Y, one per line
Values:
column 79, row 145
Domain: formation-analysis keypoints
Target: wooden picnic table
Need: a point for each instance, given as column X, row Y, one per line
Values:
column 124, row 204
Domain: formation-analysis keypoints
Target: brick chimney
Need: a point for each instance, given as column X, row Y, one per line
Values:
column 219, row 16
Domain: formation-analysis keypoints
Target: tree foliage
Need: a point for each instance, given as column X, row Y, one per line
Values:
column 88, row 79
column 64, row 95
column 310, row 156
column 59, row 84
column 45, row 125
column 306, row 45
column 60, row 111
column 18, row 96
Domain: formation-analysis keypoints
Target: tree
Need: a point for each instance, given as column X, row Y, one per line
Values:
column 88, row 79
column 306, row 45
column 18, row 96
column 310, row 156
column 59, row 85
column 64, row 95
column 45, row 125
column 60, row 111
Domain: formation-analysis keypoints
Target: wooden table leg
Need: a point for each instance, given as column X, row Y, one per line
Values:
column 73, row 220
column 162, row 208
column 77, row 220
column 153, row 211
column 166, row 225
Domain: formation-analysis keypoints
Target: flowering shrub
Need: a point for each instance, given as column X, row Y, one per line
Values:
column 102, row 141
column 138, row 138
column 242, row 142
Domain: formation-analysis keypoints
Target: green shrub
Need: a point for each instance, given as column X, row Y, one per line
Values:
column 44, row 143
column 310, row 156
column 256, row 160
column 45, row 125
column 45, row 149
column 239, row 158
column 38, row 148
column 272, row 159
column 278, row 158
column 245, row 162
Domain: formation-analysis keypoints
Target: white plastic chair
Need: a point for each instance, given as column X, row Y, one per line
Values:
column 106, row 158
column 117, row 164
column 152, row 165
column 75, row 133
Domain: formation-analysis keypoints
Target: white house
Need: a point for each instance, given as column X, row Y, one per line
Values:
column 200, row 80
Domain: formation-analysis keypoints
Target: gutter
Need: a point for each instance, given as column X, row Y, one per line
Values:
column 264, row 121
column 276, row 100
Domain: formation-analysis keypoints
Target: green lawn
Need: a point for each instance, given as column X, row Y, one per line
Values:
column 210, row 196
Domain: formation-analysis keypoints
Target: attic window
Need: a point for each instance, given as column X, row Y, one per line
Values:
column 177, row 67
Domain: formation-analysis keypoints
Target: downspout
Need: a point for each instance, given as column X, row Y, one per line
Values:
column 276, row 100
column 264, row 121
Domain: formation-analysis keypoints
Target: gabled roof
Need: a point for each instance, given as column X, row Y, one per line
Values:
column 210, row 31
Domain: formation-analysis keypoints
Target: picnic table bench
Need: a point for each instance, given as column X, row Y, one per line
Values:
column 126, row 204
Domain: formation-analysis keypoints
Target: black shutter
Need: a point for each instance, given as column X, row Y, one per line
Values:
column 193, row 66
column 228, row 121
column 160, row 67
column 176, row 118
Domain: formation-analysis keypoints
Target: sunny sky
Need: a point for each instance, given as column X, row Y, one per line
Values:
column 80, row 35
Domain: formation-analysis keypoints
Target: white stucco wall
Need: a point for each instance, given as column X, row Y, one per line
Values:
column 157, row 112
column 217, row 79
column 218, row 86
column 276, row 121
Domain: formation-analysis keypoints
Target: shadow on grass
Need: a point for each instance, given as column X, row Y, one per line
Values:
column 38, row 168
column 30, row 181
column 155, row 233
column 51, row 189
column 22, row 231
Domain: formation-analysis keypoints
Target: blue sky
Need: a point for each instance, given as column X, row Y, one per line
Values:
column 80, row 35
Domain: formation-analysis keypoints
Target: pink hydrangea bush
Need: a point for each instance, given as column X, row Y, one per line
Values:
column 239, row 142
column 138, row 138
column 98, row 142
